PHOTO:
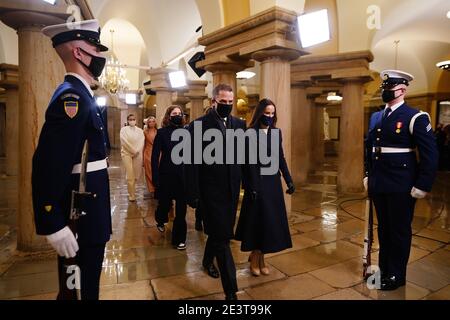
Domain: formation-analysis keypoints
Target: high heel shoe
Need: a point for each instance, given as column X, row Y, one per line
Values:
column 254, row 263
column 262, row 266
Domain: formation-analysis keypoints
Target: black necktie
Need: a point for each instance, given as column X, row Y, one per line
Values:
column 386, row 113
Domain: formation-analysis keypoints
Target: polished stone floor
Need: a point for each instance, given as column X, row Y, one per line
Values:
column 324, row 263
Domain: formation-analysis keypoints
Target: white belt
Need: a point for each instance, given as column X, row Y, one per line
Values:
column 91, row 166
column 392, row 150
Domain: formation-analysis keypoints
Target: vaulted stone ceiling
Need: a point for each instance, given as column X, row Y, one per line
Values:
column 149, row 32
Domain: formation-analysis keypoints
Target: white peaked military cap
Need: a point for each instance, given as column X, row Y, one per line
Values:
column 395, row 77
column 88, row 30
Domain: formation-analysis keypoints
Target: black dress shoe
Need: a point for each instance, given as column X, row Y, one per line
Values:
column 198, row 225
column 391, row 283
column 212, row 271
column 231, row 296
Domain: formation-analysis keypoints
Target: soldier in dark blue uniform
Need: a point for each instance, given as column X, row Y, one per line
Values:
column 395, row 179
column 72, row 118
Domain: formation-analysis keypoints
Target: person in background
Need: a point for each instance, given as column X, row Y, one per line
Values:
column 263, row 225
column 168, row 178
column 150, row 130
column 132, row 140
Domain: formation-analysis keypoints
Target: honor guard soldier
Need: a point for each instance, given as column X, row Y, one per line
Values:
column 71, row 119
column 394, row 176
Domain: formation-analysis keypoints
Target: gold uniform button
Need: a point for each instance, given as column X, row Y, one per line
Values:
column 378, row 139
column 379, row 130
column 376, row 158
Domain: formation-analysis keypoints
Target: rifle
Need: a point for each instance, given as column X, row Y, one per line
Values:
column 70, row 273
column 368, row 237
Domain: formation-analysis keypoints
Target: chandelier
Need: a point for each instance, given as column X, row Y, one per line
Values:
column 113, row 78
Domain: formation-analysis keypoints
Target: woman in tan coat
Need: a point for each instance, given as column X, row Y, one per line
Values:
column 132, row 141
column 150, row 133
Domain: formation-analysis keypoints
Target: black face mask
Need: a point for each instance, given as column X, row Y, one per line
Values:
column 267, row 121
column 177, row 120
column 223, row 109
column 96, row 66
column 389, row 95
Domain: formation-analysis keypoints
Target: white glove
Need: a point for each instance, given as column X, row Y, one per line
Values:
column 64, row 243
column 365, row 182
column 417, row 193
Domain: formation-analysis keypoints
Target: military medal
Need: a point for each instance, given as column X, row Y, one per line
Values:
column 399, row 126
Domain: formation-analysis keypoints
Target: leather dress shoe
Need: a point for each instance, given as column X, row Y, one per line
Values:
column 212, row 271
column 231, row 296
column 391, row 283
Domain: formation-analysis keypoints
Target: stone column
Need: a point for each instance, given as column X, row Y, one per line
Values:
column 301, row 133
column 317, row 135
column 196, row 94
column 351, row 144
column 226, row 73
column 160, row 83
column 276, row 85
column 2, row 128
column 10, row 81
column 40, row 71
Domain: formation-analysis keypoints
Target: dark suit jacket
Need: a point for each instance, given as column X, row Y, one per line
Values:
column 216, row 185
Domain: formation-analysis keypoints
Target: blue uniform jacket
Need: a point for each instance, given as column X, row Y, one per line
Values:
column 399, row 172
column 71, row 118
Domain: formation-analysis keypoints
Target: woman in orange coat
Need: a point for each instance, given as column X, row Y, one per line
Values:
column 150, row 133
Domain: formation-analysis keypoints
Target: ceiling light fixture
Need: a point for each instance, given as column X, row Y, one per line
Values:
column 444, row 65
column 245, row 75
column 332, row 96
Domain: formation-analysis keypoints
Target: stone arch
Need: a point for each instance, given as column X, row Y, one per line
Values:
column 129, row 47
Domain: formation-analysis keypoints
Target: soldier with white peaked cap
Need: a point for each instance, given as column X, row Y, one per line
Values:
column 72, row 118
column 395, row 179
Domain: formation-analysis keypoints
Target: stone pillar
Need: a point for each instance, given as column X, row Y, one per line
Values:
column 196, row 94
column 276, row 85
column 160, row 83
column 10, row 81
column 351, row 144
column 40, row 71
column 226, row 73
column 2, row 128
column 317, row 136
column 301, row 134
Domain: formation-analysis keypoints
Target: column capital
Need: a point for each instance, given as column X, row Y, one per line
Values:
column 180, row 99
column 9, row 76
column 361, row 80
column 225, row 65
column 196, row 89
column 18, row 14
column 301, row 84
column 283, row 54
column 160, row 80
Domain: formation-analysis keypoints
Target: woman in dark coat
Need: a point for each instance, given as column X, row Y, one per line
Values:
column 263, row 224
column 168, row 178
